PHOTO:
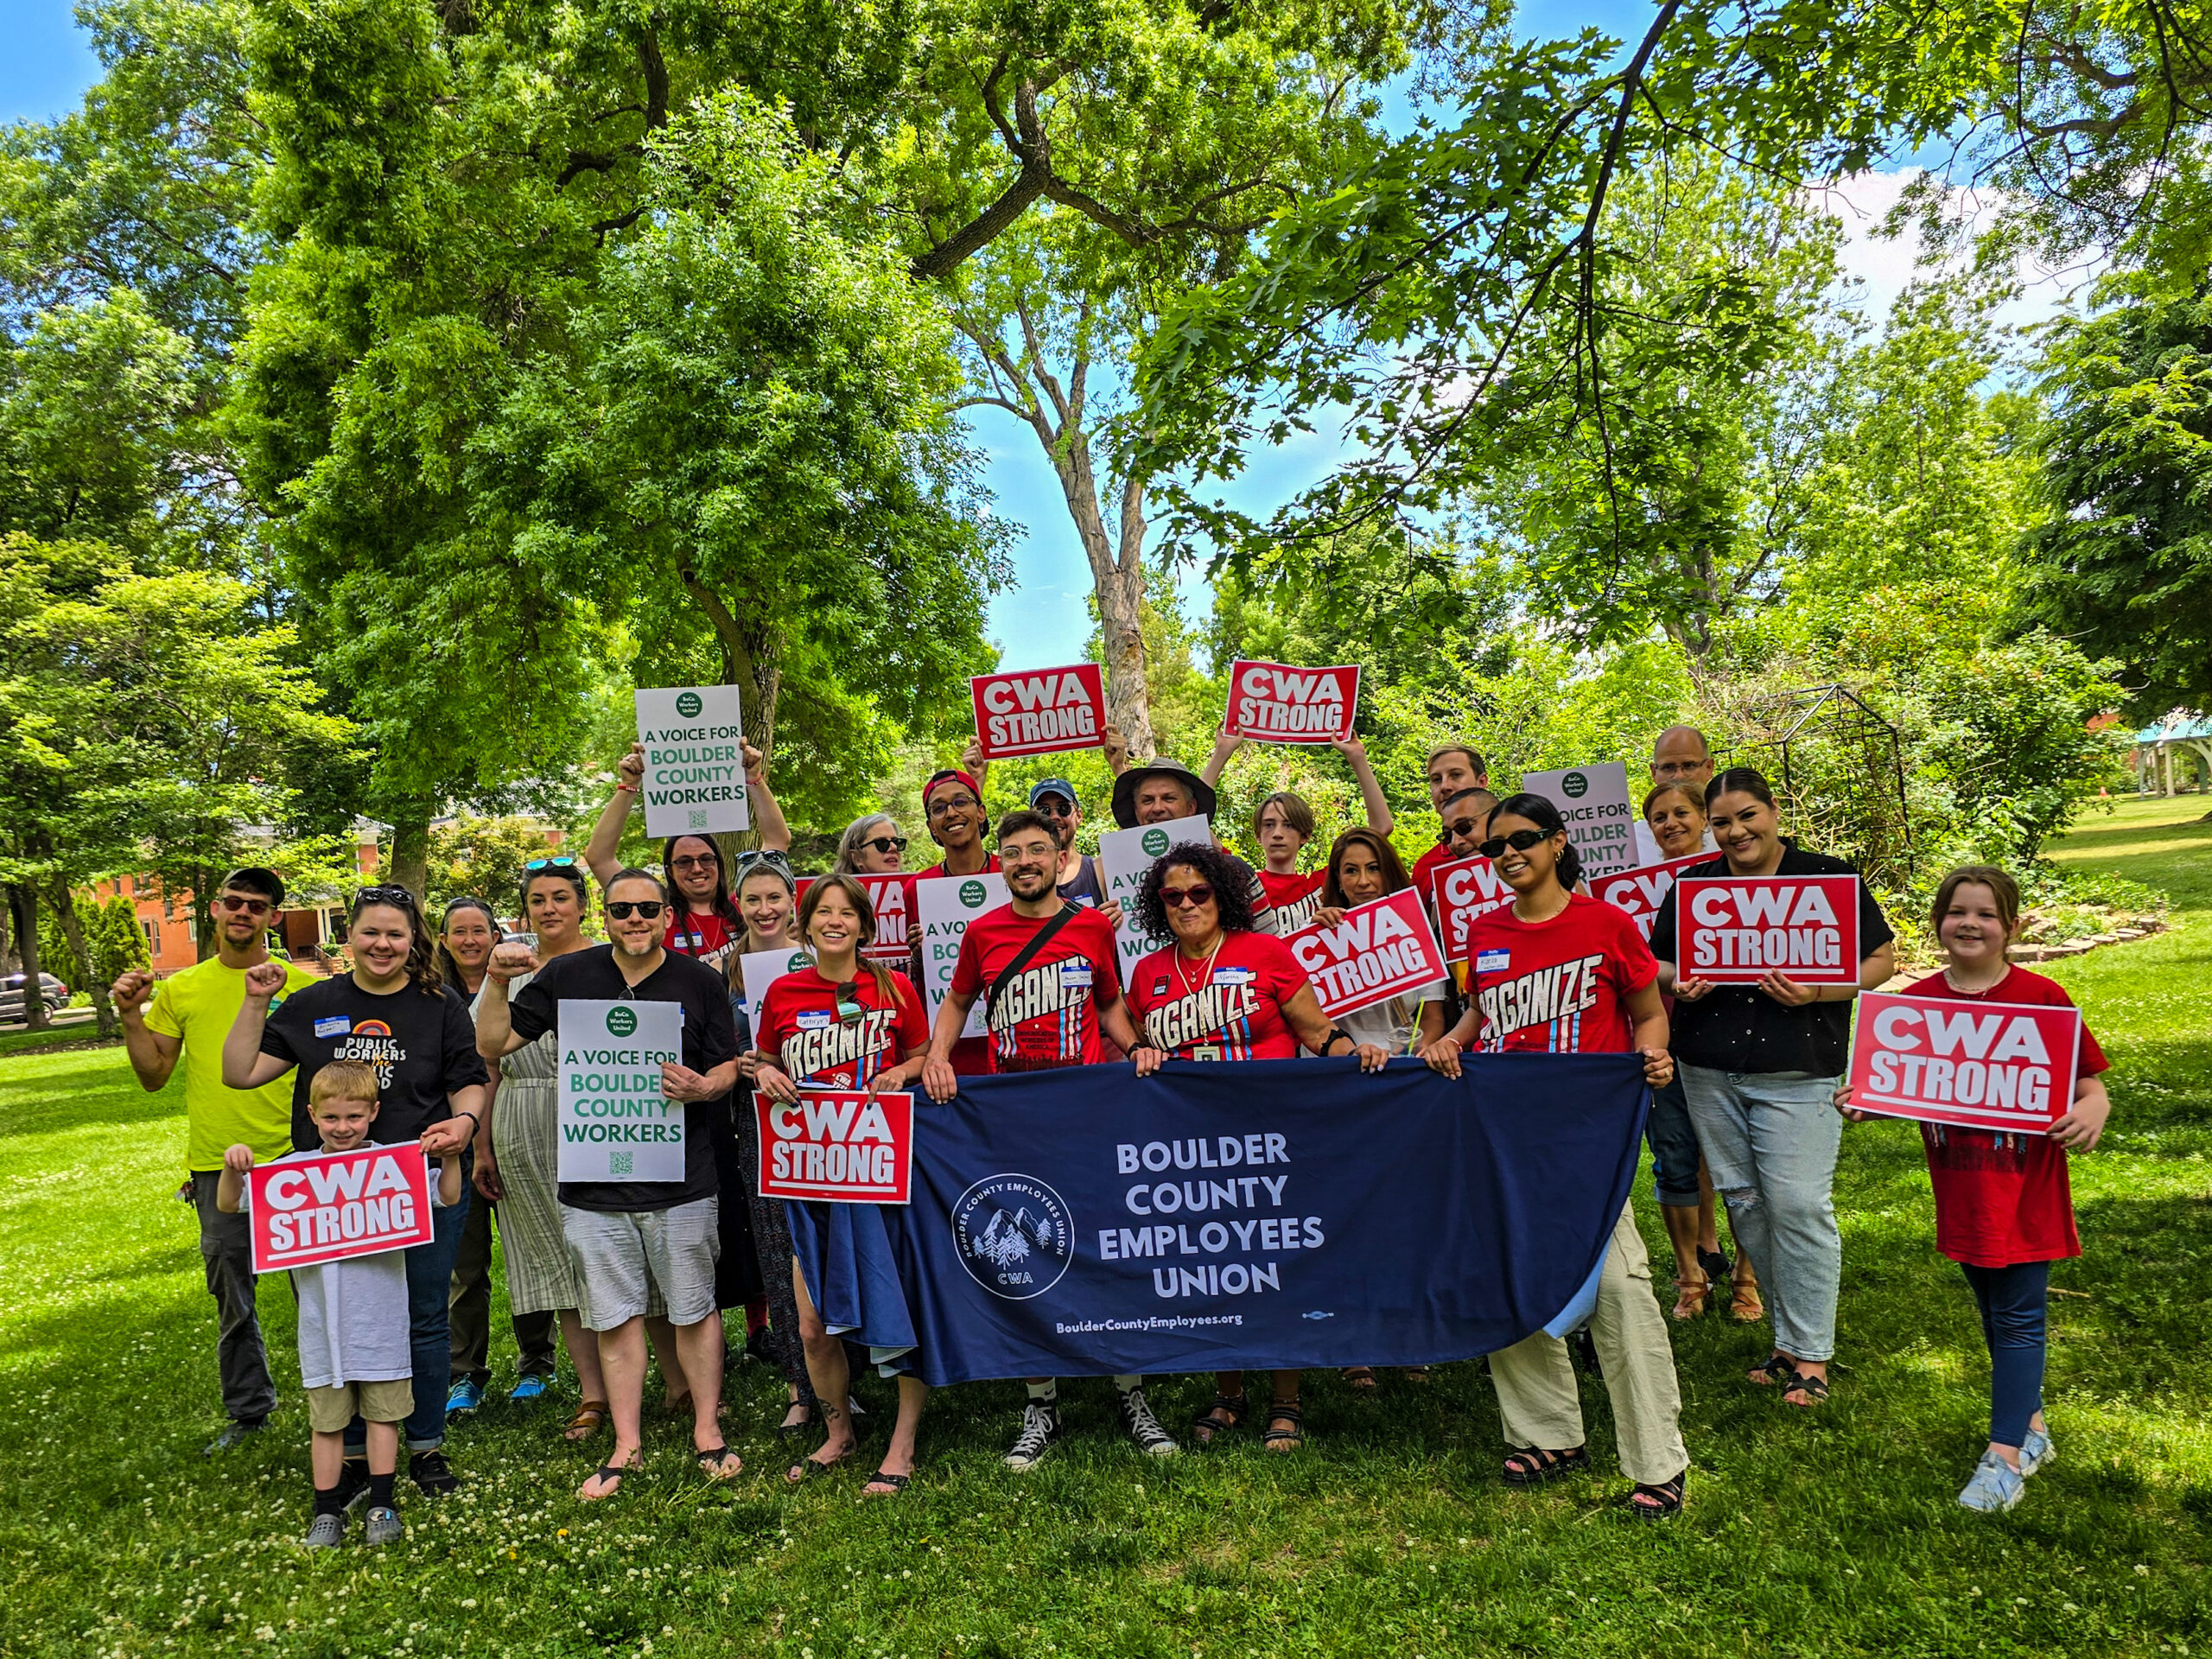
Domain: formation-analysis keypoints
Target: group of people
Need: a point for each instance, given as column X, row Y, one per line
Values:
column 446, row 1039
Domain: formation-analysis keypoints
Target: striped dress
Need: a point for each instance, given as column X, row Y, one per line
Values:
column 540, row 1273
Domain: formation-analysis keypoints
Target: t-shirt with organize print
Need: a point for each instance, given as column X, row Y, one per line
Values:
column 1295, row 897
column 1559, row 986
column 1048, row 1015
column 2003, row 1199
column 799, row 1028
column 1229, row 1007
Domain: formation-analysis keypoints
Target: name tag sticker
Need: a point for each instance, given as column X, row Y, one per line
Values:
column 815, row 1022
column 337, row 1026
column 1232, row 976
column 1493, row 961
column 1075, row 972
column 1160, row 987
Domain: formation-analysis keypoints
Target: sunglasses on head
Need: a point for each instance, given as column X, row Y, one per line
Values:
column 768, row 856
column 886, row 843
column 1520, row 841
column 849, row 1002
column 399, row 896
column 561, row 863
column 1198, row 892
column 622, row 909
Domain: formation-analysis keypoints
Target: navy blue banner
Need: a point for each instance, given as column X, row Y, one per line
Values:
column 1260, row 1214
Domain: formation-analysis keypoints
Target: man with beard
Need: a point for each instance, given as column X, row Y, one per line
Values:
column 1162, row 790
column 1046, row 970
column 628, row 1238
column 192, row 1012
column 1053, row 800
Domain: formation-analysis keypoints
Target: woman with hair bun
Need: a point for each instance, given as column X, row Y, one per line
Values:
column 1560, row 972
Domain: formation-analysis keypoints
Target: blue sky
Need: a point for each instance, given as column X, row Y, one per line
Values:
column 1042, row 622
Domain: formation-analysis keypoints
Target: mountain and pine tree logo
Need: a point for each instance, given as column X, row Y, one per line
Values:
column 1015, row 1235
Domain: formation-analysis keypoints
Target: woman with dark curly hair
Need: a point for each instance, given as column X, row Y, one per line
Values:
column 1224, row 991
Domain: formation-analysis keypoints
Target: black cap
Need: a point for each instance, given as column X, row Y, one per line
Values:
column 257, row 879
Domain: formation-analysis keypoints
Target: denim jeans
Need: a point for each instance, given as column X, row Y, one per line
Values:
column 429, row 1278
column 1770, row 1141
column 2013, row 1302
column 226, row 1249
column 1673, row 1139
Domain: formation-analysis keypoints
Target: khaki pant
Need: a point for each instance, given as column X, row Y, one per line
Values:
column 1535, row 1379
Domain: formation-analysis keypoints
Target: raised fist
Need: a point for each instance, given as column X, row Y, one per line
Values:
column 263, row 980
column 630, row 770
column 510, row 959
column 130, row 991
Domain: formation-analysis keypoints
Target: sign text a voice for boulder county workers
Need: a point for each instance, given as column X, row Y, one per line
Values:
column 694, row 760
column 613, row 1123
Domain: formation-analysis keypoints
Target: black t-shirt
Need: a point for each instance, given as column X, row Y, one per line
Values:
column 1741, row 1027
column 709, row 1038
column 422, row 1047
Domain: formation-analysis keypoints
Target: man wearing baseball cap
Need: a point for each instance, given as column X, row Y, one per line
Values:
column 1053, row 800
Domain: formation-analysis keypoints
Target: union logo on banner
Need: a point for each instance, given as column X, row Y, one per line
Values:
column 336, row 1205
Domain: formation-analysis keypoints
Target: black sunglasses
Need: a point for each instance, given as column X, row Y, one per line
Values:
column 1520, row 841
column 1452, row 832
column 401, row 896
column 622, row 909
column 1053, row 807
column 886, row 843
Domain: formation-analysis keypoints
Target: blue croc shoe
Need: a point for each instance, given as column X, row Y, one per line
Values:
column 528, row 1386
column 467, row 1395
column 1996, row 1485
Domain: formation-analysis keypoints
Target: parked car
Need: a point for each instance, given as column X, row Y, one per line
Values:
column 11, row 995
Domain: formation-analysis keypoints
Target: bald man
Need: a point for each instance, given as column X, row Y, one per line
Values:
column 1682, row 756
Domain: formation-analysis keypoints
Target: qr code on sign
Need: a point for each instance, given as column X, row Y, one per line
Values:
column 618, row 1163
column 698, row 817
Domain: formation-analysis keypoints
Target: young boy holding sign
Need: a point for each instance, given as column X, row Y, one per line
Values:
column 354, row 1357
column 2004, row 1209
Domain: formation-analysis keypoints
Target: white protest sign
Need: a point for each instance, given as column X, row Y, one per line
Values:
column 944, row 905
column 1593, row 803
column 613, row 1123
column 758, row 969
column 1124, row 855
column 694, row 760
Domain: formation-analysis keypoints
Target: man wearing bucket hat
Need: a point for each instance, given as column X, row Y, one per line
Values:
column 1161, row 790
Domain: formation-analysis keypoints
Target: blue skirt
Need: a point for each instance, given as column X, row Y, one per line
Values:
column 850, row 1255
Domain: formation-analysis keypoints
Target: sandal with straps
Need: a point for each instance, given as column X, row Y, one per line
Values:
column 1744, row 1304
column 1207, row 1427
column 1692, row 1297
column 1666, row 1497
column 590, row 1418
column 1815, row 1388
column 1285, row 1439
column 613, row 1471
column 1360, row 1379
column 898, row 1483
column 710, row 1459
column 1775, row 1369
column 1532, row 1465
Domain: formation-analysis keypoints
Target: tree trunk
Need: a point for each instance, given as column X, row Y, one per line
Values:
column 752, row 662
column 1117, row 581
column 410, row 847
column 22, row 904
column 64, row 911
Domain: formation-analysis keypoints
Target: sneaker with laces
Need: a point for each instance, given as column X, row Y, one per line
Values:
column 530, row 1385
column 1041, row 1427
column 1996, row 1485
column 430, row 1471
column 325, row 1532
column 2036, row 1451
column 466, row 1395
column 385, row 1527
column 1144, row 1429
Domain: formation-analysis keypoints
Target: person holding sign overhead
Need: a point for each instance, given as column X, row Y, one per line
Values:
column 952, row 801
column 628, row 1238
column 1759, row 1065
column 1161, row 791
column 2004, row 1207
column 1224, row 991
column 1283, row 823
column 1559, row 972
column 1046, row 970
column 847, row 1023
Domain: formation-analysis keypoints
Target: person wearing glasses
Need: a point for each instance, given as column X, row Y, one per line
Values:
column 1160, row 790
column 465, row 935
column 1075, row 874
column 1224, row 991
column 704, row 922
column 847, row 1023
column 1680, row 756
column 192, row 1012
column 1559, row 972
column 394, row 1012
column 628, row 1240
column 871, row 846
column 1283, row 823
column 1047, row 970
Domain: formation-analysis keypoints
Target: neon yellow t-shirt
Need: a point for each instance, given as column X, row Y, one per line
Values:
column 200, row 1006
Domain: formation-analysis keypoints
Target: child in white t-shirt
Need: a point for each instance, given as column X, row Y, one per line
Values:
column 354, row 1355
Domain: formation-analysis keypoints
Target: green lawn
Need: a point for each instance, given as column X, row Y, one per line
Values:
column 1827, row 1534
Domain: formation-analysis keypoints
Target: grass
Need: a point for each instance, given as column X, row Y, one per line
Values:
column 1826, row 1533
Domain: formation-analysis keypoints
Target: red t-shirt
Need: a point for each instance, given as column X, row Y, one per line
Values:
column 1295, row 897
column 971, row 1056
column 990, row 866
column 1048, row 1016
column 1230, row 1009
column 700, row 934
column 1425, row 866
column 1559, row 987
column 797, row 1028
column 2001, row 1200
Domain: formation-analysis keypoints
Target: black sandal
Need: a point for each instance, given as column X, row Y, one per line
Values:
column 898, row 1483
column 709, row 1459
column 615, row 1472
column 791, row 1431
column 1532, row 1465
column 1815, row 1388
column 1360, row 1379
column 1667, row 1497
column 1207, row 1427
column 1717, row 1266
column 1284, row 1411
column 1776, row 1368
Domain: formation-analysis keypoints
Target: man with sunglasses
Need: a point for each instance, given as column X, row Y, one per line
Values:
column 1077, row 875
column 628, row 1236
column 1047, row 970
column 192, row 1012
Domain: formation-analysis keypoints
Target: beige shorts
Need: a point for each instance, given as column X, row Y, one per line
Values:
column 330, row 1410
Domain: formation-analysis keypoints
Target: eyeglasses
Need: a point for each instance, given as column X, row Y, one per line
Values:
column 709, row 863
column 886, row 843
column 1198, row 892
column 399, row 896
column 622, row 909
column 233, row 903
column 944, row 803
column 849, row 1002
column 1666, row 771
column 1520, row 841
column 561, row 863
column 1053, row 807
column 1458, row 831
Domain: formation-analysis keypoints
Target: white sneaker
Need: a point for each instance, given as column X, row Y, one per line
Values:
column 1996, row 1485
column 1041, row 1427
column 2036, row 1451
column 1144, row 1428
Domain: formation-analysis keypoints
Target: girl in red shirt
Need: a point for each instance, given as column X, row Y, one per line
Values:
column 2003, row 1210
column 846, row 1023
column 1559, row 972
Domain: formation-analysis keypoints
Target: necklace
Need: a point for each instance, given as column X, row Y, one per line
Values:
column 1951, row 980
column 1184, row 979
